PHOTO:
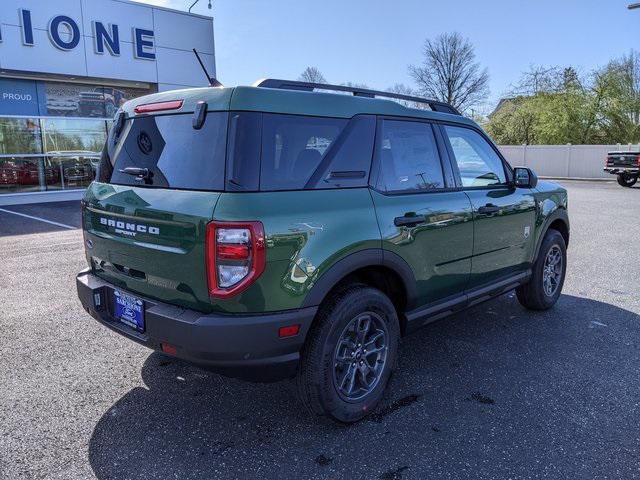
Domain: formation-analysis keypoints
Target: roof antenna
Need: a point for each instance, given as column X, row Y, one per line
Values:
column 212, row 81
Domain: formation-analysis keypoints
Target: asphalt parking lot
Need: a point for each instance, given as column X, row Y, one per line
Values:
column 493, row 392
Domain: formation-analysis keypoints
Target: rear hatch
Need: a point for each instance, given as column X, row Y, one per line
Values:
column 157, row 185
column 623, row 160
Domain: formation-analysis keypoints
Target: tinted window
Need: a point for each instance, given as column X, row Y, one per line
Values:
column 243, row 159
column 477, row 161
column 177, row 155
column 409, row 158
column 348, row 162
column 293, row 147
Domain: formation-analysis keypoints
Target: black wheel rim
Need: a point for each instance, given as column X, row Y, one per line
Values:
column 552, row 271
column 360, row 356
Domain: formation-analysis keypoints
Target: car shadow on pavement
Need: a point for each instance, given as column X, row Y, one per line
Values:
column 495, row 373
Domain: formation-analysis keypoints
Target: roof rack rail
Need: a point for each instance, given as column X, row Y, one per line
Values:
column 435, row 105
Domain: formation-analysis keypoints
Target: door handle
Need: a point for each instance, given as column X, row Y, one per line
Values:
column 409, row 220
column 488, row 209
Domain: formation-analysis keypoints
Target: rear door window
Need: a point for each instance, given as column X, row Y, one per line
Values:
column 177, row 155
column 408, row 157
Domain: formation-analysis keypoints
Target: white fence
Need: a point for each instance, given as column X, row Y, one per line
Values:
column 563, row 161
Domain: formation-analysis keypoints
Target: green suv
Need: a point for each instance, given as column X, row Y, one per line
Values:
column 277, row 231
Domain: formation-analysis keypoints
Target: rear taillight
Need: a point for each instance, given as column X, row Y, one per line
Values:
column 638, row 160
column 235, row 256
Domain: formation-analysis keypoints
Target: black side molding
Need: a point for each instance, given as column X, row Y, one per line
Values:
column 430, row 313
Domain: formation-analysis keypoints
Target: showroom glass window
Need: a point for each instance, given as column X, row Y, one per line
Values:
column 20, row 167
column 51, row 134
column 72, row 146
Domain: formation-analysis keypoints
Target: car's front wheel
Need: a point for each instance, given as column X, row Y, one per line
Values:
column 547, row 276
column 349, row 355
column 626, row 180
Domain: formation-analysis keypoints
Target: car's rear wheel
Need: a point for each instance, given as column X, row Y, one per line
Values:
column 626, row 180
column 350, row 354
column 548, row 273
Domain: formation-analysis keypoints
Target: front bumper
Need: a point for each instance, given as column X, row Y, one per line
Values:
column 243, row 346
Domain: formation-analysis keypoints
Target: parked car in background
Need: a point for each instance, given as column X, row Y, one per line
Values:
column 22, row 172
column 77, row 168
column 305, row 232
column 626, row 165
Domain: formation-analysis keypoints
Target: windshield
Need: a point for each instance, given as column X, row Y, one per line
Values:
column 165, row 151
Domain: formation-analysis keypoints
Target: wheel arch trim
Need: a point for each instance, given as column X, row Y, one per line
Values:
column 373, row 257
column 558, row 214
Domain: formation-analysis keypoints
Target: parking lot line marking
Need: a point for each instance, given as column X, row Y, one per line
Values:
column 39, row 219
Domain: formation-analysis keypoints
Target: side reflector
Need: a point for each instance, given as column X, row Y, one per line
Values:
column 288, row 331
column 169, row 349
column 158, row 107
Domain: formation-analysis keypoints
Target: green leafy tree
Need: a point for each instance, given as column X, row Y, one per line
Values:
column 552, row 106
column 619, row 84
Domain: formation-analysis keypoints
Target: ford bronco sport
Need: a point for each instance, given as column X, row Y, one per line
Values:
column 276, row 231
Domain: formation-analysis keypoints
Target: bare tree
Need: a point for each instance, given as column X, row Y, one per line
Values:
column 403, row 89
column 355, row 85
column 312, row 75
column 450, row 73
column 541, row 80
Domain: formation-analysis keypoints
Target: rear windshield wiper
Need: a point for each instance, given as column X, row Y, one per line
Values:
column 140, row 173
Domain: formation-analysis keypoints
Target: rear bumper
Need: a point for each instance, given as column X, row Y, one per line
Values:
column 242, row 346
column 617, row 170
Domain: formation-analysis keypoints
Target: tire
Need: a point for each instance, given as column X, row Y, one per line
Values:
column 538, row 294
column 327, row 362
column 626, row 180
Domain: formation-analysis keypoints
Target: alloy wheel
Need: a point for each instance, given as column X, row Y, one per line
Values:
column 360, row 356
column 552, row 271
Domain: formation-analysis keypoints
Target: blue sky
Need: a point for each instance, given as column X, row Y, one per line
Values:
column 374, row 41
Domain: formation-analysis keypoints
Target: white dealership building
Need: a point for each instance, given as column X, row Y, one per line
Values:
column 65, row 68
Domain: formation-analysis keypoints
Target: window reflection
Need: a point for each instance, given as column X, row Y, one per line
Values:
column 73, row 135
column 27, row 174
column 20, row 135
column 75, row 169
column 62, row 151
column 78, row 100
column 70, row 157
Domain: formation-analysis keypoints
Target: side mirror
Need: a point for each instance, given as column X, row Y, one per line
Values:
column 524, row 177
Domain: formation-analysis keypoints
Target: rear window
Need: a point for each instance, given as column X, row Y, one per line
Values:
column 262, row 152
column 177, row 155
